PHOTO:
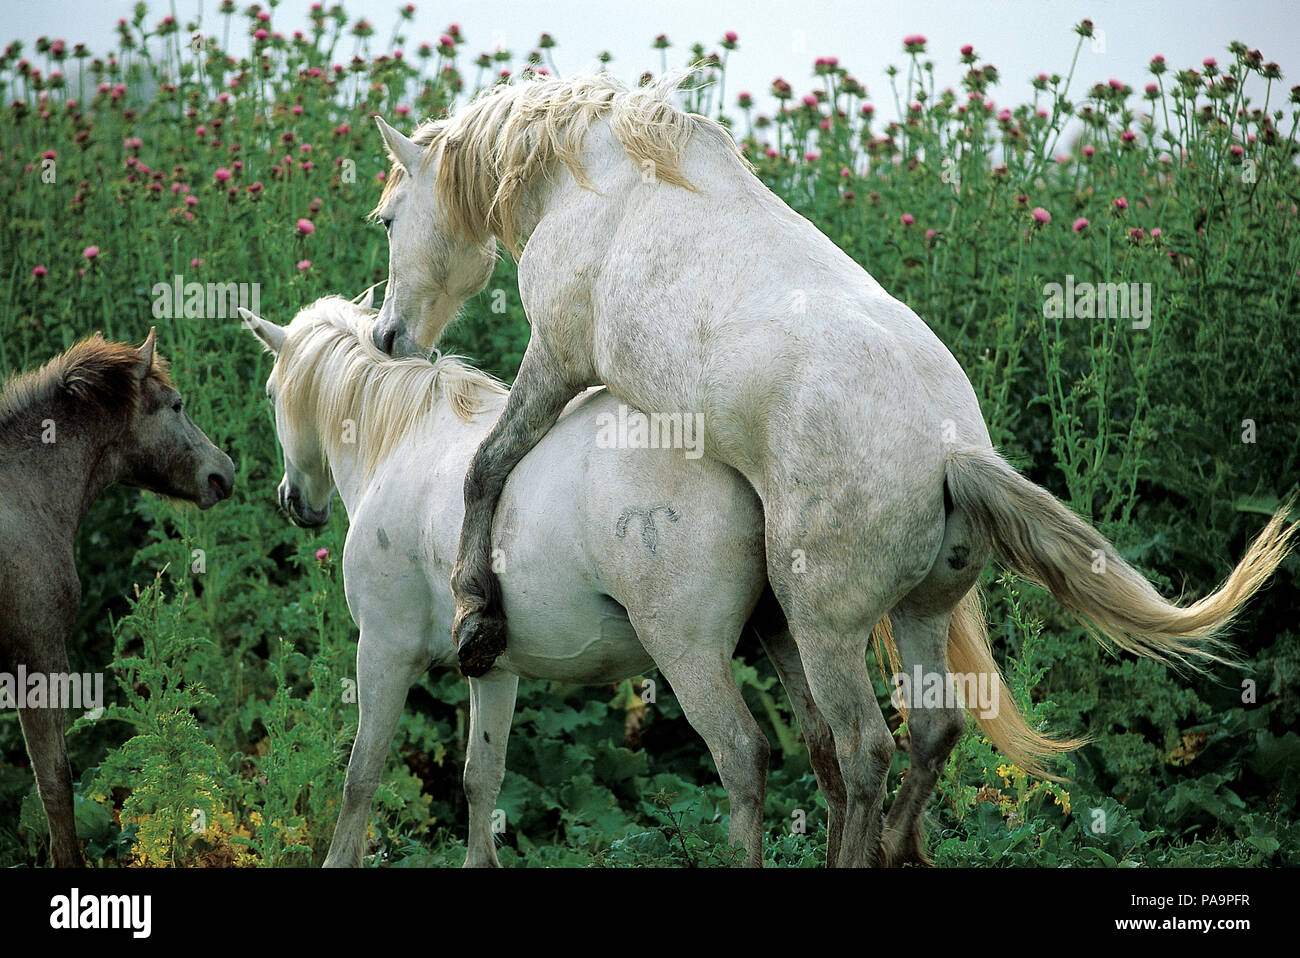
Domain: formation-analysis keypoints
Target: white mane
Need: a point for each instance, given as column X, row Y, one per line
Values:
column 329, row 373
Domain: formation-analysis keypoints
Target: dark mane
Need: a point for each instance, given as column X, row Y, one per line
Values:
column 95, row 375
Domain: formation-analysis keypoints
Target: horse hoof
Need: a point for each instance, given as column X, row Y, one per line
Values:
column 480, row 640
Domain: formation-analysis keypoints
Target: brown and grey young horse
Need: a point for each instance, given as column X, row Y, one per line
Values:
column 657, row 263
column 99, row 413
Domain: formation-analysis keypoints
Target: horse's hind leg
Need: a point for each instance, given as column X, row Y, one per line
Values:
column 698, row 667
column 922, row 641
column 491, row 708
column 382, row 683
column 783, row 652
column 836, row 669
column 922, row 622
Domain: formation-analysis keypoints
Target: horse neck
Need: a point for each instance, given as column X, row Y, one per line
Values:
column 348, row 473
column 60, row 480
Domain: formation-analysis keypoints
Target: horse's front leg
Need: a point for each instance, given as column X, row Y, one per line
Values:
column 383, row 679
column 43, row 729
column 536, row 400
column 491, row 708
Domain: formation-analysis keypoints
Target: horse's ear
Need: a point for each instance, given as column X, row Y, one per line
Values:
column 146, row 352
column 270, row 335
column 367, row 299
column 403, row 151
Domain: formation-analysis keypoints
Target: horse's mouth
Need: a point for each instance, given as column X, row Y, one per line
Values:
column 302, row 521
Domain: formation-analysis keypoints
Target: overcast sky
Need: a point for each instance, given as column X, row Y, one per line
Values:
column 1021, row 37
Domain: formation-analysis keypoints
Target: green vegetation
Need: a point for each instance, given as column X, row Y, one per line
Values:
column 232, row 701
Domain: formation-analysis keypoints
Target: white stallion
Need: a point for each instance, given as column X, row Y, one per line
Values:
column 654, row 261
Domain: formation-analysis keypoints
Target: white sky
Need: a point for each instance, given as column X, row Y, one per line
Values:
column 1021, row 37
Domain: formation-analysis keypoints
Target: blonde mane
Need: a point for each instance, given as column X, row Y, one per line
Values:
column 329, row 374
column 513, row 133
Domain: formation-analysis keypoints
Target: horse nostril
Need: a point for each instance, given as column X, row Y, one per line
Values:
column 221, row 483
column 390, row 337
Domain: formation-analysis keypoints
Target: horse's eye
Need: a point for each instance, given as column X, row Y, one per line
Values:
column 176, row 406
column 388, row 223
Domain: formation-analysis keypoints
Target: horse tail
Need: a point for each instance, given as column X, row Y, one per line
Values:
column 1038, row 537
column 970, row 653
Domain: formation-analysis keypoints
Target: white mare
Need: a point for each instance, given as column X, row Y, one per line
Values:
column 655, row 261
column 616, row 560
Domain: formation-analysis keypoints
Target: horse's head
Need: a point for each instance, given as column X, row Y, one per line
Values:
column 436, row 260
column 162, row 450
column 307, row 489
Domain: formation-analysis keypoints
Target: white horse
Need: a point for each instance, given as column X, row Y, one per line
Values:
column 658, row 264
column 618, row 559
column 618, row 556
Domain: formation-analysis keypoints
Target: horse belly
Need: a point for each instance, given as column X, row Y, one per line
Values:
column 589, row 645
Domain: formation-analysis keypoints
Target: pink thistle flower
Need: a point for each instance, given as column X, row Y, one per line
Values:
column 1041, row 215
column 90, row 252
column 222, row 174
column 39, row 271
column 908, row 219
column 305, row 264
column 1080, row 225
column 1120, row 203
column 306, row 227
column 322, row 555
